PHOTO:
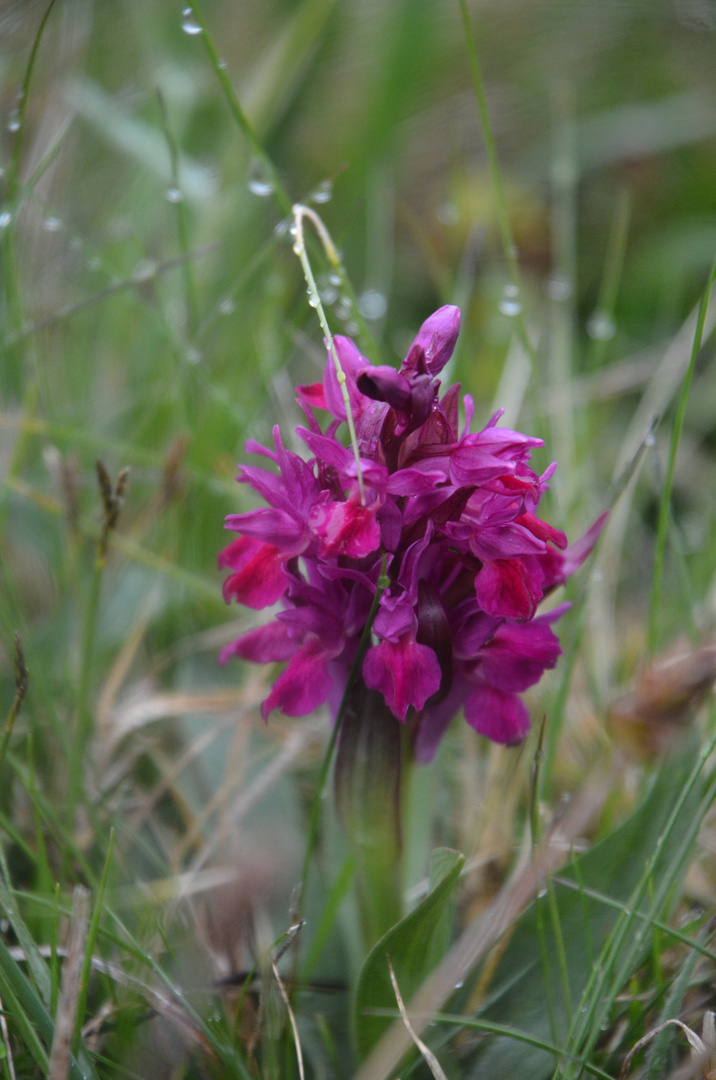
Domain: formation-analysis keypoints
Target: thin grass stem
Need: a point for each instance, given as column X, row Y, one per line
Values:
column 509, row 247
column 190, row 297
column 314, row 299
column 665, row 502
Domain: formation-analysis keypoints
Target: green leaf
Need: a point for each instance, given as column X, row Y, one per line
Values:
column 526, row 992
column 414, row 946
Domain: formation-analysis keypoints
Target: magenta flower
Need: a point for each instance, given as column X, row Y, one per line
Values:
column 451, row 515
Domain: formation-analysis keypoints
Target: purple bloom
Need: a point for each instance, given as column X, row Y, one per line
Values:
column 450, row 514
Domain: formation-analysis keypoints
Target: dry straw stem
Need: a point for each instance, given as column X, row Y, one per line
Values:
column 703, row 1062
column 484, row 932
column 61, row 1051
column 430, row 1060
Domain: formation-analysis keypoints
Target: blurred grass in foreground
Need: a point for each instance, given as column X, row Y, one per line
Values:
column 154, row 316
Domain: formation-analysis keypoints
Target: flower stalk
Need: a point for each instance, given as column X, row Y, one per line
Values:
column 314, row 298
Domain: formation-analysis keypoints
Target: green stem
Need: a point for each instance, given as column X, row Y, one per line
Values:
column 239, row 115
column 503, row 219
column 182, row 228
column 665, row 504
column 299, row 247
column 353, row 676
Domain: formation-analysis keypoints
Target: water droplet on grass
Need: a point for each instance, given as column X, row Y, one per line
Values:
column 227, row 306
column 601, row 326
column 13, row 123
column 259, row 183
column 323, row 193
column 372, row 304
column 558, row 287
column 5, row 219
column 193, row 356
column 174, row 195
column 447, row 214
column 510, row 303
column 335, row 279
column 52, row 224
column 145, row 270
column 188, row 22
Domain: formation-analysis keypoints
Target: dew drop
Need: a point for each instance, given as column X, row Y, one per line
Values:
column 52, row 224
column 328, row 295
column 335, row 279
column 222, row 64
column 650, row 439
column 372, row 304
column 447, row 213
column 297, row 248
column 145, row 270
column 283, row 227
column 558, row 287
column 5, row 219
column 258, row 182
column 227, row 306
column 510, row 303
column 459, row 985
column 174, row 195
column 601, row 326
column 313, row 299
column 597, row 575
column 13, row 123
column 323, row 193
column 193, row 356
column 188, row 22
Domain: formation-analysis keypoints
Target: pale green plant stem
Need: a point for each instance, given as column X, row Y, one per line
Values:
column 21, row 681
column 239, row 115
column 314, row 299
column 503, row 219
column 278, row 190
column 665, row 503
column 83, row 722
column 181, row 219
column 614, row 262
column 489, row 1027
column 90, row 945
column 353, row 675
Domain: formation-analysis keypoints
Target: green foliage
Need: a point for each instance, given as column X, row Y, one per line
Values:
column 414, row 946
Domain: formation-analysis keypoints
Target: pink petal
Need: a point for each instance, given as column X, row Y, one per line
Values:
column 305, row 683
column 542, row 530
column 264, row 645
column 313, row 394
column 404, row 672
column 436, row 339
column 260, row 581
column 238, row 553
column 500, row 716
column 345, row 528
column 510, row 588
column 518, row 654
